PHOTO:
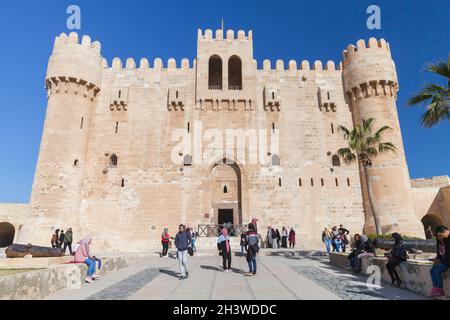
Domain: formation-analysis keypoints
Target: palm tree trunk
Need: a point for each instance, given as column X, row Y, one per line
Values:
column 370, row 192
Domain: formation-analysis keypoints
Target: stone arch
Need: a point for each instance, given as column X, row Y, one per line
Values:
column 215, row 73
column 235, row 73
column 7, row 232
column 431, row 220
column 226, row 174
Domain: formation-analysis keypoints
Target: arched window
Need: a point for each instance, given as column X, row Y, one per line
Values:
column 336, row 161
column 235, row 73
column 187, row 160
column 225, row 189
column 215, row 73
column 275, row 160
column 113, row 160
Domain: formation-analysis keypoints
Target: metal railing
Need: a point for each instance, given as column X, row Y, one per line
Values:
column 215, row 87
column 234, row 87
column 213, row 230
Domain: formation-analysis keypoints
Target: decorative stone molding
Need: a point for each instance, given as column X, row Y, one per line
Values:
column 66, row 85
column 372, row 89
column 176, row 99
column 272, row 99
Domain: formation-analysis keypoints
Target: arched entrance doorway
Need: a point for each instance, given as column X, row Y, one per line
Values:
column 431, row 220
column 226, row 193
column 7, row 232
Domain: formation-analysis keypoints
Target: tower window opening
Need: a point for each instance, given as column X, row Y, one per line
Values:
column 176, row 94
column 215, row 73
column 336, row 161
column 348, row 182
column 299, row 182
column 117, row 127
column 76, row 163
column 337, row 182
column 312, row 182
column 225, row 189
column 322, row 182
column 120, row 94
column 328, row 95
column 332, row 128
column 188, row 127
column 113, row 160
column 123, row 183
column 235, row 73
column 279, row 182
column 273, row 95
column 82, row 122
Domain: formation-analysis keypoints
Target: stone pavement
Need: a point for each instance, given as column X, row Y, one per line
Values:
column 280, row 277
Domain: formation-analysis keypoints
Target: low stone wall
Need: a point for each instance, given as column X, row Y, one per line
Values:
column 415, row 275
column 39, row 284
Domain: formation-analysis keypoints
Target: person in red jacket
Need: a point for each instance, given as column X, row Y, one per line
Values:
column 165, row 239
column 292, row 238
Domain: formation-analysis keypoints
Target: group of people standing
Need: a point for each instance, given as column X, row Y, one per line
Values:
column 362, row 247
column 276, row 240
column 63, row 240
column 335, row 240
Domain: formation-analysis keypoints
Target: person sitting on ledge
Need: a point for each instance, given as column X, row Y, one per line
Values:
column 83, row 255
column 441, row 262
column 398, row 255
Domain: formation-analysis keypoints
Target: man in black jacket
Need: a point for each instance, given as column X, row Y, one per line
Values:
column 441, row 262
column 182, row 242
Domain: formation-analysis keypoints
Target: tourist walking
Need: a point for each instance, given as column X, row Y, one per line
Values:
column 278, row 238
column 398, row 255
column 182, row 243
column 68, row 238
column 326, row 238
column 55, row 239
column 252, row 245
column 83, row 255
column 165, row 239
column 194, row 239
column 336, row 240
column 61, row 239
column 223, row 244
column 242, row 242
column 274, row 238
column 343, row 230
column 292, row 238
column 284, row 237
column 442, row 261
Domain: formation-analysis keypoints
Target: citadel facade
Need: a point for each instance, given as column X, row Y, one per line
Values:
column 111, row 163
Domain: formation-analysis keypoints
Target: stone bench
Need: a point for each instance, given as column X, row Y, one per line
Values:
column 415, row 274
column 39, row 284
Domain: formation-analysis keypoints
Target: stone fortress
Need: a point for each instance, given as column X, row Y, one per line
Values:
column 106, row 164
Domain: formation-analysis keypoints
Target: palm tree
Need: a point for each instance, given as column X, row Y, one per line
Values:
column 436, row 97
column 363, row 146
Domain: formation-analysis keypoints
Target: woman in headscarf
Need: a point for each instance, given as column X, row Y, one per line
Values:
column 55, row 239
column 165, row 239
column 398, row 255
column 83, row 255
column 292, row 238
column 223, row 244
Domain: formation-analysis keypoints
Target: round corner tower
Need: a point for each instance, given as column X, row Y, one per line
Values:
column 73, row 81
column 371, row 86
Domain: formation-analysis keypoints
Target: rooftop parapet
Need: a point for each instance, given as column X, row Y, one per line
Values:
column 229, row 35
column 374, row 45
column 304, row 65
column 145, row 65
column 76, row 58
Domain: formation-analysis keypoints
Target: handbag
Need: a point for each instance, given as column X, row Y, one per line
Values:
column 190, row 251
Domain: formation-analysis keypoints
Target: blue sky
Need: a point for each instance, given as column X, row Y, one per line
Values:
column 418, row 31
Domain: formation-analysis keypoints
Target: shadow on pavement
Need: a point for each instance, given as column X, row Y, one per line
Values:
column 169, row 273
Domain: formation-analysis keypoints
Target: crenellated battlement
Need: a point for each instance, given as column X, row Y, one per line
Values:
column 374, row 45
column 219, row 35
column 158, row 64
column 369, row 89
column 304, row 66
column 73, row 39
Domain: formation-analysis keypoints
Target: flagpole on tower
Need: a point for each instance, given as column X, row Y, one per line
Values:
column 222, row 26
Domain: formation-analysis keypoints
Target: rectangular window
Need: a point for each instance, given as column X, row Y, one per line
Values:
column 82, row 122
column 279, row 182
column 337, row 182
column 321, row 181
column 299, row 182
column 123, row 183
column 188, row 127
column 312, row 182
column 348, row 182
column 117, row 127
column 332, row 128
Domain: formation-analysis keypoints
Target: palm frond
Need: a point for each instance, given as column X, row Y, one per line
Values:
column 386, row 146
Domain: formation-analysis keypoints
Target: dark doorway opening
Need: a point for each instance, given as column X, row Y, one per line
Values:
column 6, row 234
column 225, row 216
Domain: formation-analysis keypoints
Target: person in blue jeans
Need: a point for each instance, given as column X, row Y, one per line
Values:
column 252, row 244
column 441, row 262
column 326, row 238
